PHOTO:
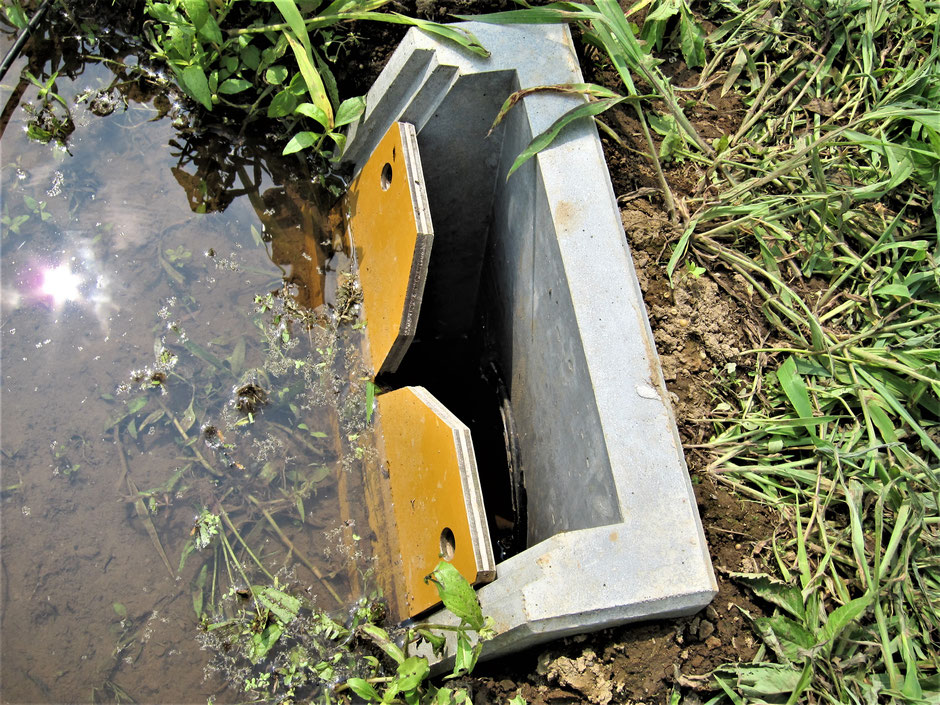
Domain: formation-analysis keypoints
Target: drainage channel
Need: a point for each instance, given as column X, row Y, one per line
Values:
column 521, row 294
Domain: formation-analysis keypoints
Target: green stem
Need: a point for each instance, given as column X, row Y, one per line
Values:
column 244, row 545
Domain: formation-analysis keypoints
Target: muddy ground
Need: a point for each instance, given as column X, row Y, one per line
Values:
column 702, row 324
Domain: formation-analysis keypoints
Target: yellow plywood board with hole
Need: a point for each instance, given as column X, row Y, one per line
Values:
column 390, row 232
column 435, row 493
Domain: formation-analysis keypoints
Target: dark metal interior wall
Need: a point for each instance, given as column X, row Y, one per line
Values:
column 461, row 174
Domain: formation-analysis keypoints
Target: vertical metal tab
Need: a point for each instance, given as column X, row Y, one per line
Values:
column 390, row 232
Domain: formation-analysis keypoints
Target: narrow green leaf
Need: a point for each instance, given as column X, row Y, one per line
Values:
column 291, row 14
column 545, row 139
column 384, row 642
column 311, row 78
column 370, row 400
column 794, row 387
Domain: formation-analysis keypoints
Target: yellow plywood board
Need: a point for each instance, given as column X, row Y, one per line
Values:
column 390, row 231
column 435, row 494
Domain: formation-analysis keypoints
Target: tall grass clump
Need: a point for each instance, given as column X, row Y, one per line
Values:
column 825, row 201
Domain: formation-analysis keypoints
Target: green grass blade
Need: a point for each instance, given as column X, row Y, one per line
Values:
column 545, row 139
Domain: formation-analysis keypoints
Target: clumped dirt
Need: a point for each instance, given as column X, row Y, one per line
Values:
column 644, row 663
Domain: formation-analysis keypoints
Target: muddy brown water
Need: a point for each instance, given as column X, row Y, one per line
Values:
column 163, row 300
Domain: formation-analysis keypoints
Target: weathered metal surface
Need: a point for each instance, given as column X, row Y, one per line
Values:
column 390, row 233
column 435, row 494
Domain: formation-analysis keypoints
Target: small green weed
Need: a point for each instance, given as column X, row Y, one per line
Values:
column 272, row 59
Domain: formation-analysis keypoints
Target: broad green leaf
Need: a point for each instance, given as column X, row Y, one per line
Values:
column 302, row 140
column 898, row 290
column 285, row 607
column 663, row 10
column 234, row 85
column 793, row 637
column 197, row 11
column 763, row 680
column 692, row 40
column 210, row 31
column 119, row 609
column 196, row 84
column 282, row 104
column 457, row 594
column 340, row 140
column 250, row 56
column 276, row 75
column 364, row 690
column 412, row 672
column 349, row 111
column 774, row 591
column 313, row 112
column 843, row 616
column 262, row 643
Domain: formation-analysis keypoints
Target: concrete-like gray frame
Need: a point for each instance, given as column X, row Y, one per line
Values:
column 614, row 533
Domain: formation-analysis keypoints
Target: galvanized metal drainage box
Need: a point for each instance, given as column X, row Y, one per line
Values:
column 613, row 530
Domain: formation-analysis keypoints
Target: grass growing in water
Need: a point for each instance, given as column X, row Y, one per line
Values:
column 826, row 202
